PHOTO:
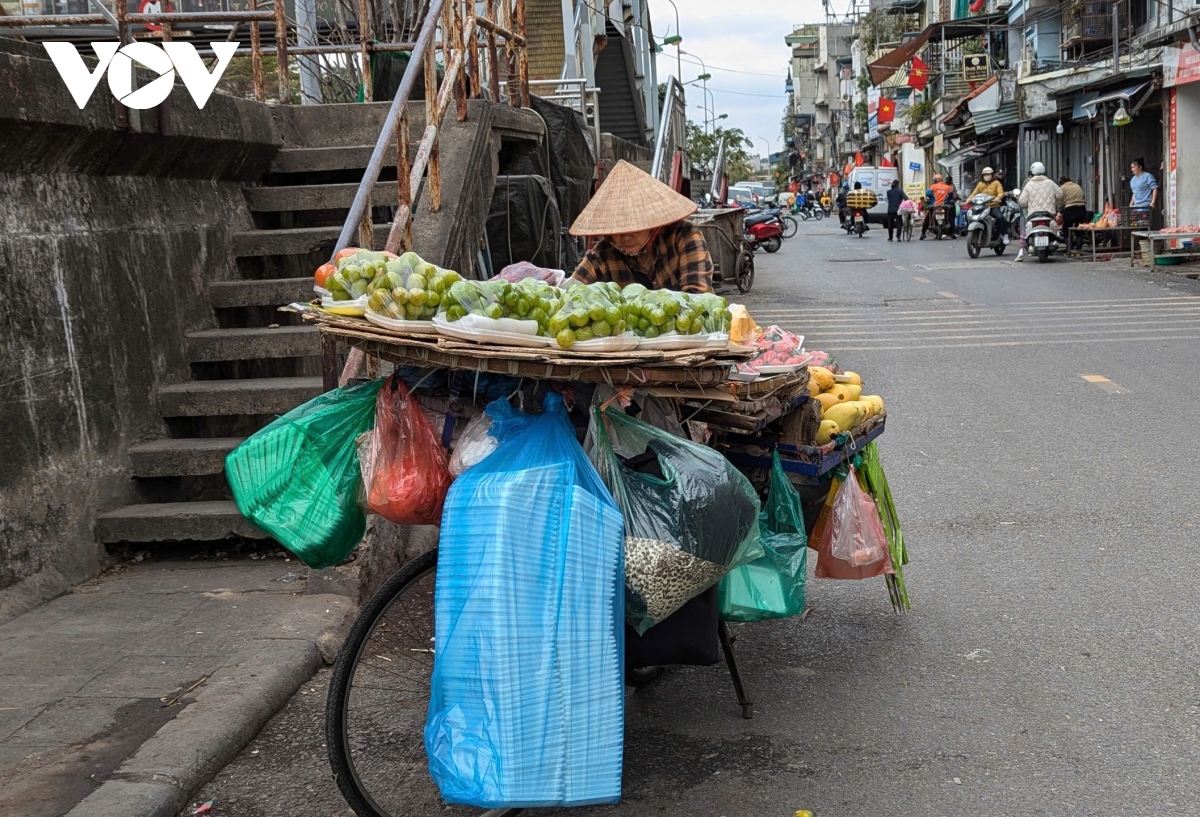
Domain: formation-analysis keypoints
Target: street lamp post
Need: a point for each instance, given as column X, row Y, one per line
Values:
column 678, row 38
column 703, row 78
column 768, row 141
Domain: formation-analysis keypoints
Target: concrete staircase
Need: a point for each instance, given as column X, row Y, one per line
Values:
column 255, row 363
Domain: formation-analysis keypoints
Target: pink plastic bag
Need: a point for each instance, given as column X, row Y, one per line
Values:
column 856, row 534
column 523, row 269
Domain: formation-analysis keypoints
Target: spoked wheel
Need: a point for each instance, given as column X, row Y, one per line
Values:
column 907, row 230
column 773, row 244
column 745, row 271
column 974, row 243
column 378, row 696
column 790, row 226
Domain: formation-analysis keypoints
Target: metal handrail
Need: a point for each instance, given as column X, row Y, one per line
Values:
column 672, row 131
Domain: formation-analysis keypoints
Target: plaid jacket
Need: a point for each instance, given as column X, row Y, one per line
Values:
column 676, row 259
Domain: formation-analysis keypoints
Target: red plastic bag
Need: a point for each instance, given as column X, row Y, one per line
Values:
column 409, row 475
column 849, row 536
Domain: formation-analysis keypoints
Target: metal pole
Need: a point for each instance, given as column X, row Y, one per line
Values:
column 1116, row 42
column 388, row 132
column 678, row 45
column 306, row 35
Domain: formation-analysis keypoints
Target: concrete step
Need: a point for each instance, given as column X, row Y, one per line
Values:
column 297, row 241
column 195, row 456
column 175, row 522
column 210, row 345
column 315, row 197
column 268, row 292
column 311, row 160
column 262, row 395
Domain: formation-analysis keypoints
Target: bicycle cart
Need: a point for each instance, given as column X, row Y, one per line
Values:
column 732, row 260
column 380, row 684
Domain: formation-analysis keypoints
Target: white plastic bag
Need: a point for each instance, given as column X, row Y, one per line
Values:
column 474, row 446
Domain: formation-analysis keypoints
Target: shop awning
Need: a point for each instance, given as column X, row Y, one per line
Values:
column 1124, row 94
column 1005, row 115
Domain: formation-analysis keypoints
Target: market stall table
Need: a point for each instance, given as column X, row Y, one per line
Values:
column 1159, row 247
column 1095, row 236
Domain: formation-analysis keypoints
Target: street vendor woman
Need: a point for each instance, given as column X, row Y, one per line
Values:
column 645, row 238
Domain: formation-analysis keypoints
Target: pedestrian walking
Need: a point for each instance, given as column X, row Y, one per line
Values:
column 894, row 196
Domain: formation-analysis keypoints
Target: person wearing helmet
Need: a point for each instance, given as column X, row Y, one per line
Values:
column 988, row 184
column 1039, row 194
column 939, row 196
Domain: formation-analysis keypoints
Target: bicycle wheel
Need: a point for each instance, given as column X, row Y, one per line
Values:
column 789, row 226
column 745, row 271
column 378, row 696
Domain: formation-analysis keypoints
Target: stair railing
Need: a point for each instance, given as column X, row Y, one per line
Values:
column 460, row 29
column 671, row 139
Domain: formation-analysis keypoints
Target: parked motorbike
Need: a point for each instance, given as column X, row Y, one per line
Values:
column 941, row 222
column 764, row 231
column 1041, row 235
column 855, row 221
column 981, row 225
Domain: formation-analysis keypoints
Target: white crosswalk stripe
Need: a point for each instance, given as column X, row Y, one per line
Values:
column 904, row 326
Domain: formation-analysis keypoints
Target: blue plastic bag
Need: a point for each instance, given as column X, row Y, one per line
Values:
column 527, row 695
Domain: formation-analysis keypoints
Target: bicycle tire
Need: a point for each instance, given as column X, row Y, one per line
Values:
column 745, row 271
column 790, row 226
column 347, row 758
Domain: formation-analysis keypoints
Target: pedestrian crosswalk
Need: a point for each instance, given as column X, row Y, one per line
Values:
column 933, row 326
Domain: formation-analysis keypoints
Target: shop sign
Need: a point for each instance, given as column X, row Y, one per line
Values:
column 976, row 67
column 1172, row 202
column 905, row 139
column 1181, row 65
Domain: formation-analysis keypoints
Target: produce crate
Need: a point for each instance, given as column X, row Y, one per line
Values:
column 1134, row 217
column 809, row 460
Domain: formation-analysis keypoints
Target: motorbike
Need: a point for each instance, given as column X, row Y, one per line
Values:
column 763, row 230
column 981, row 225
column 855, row 221
column 811, row 210
column 941, row 222
column 1041, row 235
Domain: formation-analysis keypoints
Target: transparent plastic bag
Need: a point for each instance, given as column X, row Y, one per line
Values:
column 587, row 312
column 771, row 586
column 527, row 300
column 523, row 269
column 409, row 289
column 409, row 474
column 298, row 479
column 683, row 530
column 527, row 696
column 856, row 535
column 851, row 522
column 474, row 446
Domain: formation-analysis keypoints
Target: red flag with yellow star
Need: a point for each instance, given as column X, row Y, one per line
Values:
column 918, row 75
column 887, row 110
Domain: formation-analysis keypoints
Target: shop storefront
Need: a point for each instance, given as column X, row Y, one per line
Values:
column 1181, row 90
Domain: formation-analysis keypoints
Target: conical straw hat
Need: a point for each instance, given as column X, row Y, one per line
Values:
column 630, row 200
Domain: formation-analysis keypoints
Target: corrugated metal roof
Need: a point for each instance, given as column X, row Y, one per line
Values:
column 990, row 120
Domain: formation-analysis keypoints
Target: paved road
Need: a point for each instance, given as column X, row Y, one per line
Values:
column 1051, row 662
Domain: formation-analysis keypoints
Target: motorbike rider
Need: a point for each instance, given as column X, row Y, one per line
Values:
column 1039, row 194
column 938, row 196
column 841, row 201
column 989, row 185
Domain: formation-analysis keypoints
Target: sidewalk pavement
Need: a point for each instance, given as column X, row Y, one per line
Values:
column 123, row 697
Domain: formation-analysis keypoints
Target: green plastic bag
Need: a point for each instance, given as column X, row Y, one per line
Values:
column 298, row 479
column 690, row 516
column 773, row 585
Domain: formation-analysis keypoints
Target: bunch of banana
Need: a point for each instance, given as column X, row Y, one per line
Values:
column 843, row 405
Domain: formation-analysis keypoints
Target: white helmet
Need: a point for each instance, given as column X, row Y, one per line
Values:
column 987, row 171
column 1037, row 169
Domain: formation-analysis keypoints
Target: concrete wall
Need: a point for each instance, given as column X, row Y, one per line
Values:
column 107, row 239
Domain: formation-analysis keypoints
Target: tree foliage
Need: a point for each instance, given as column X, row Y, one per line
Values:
column 703, row 147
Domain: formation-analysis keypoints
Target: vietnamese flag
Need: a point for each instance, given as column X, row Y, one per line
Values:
column 885, row 162
column 859, row 161
column 918, row 75
column 887, row 110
